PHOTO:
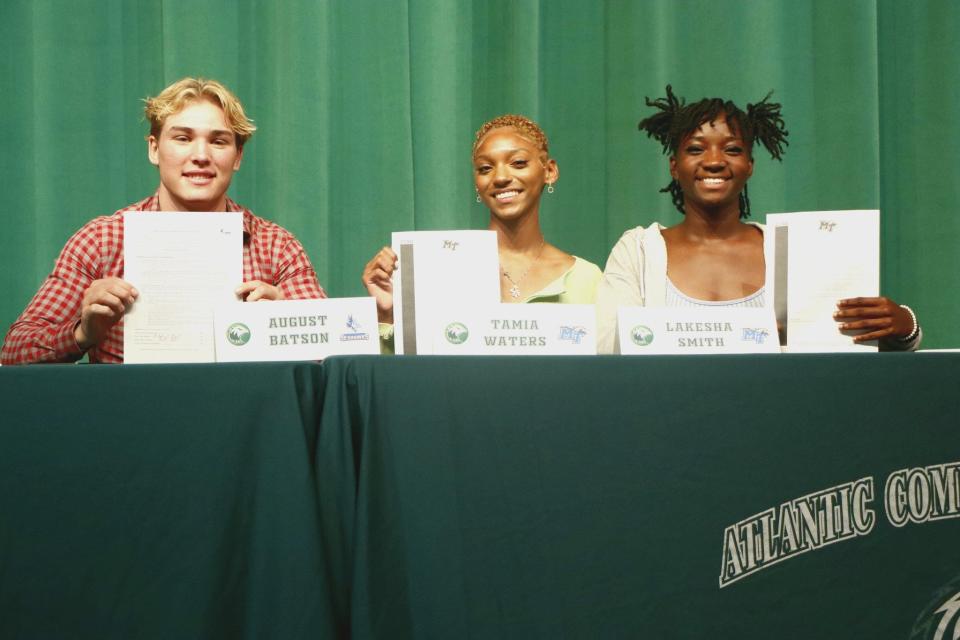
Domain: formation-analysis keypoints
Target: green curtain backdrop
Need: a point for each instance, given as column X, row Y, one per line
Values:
column 366, row 112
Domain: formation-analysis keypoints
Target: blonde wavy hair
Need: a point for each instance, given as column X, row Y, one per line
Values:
column 522, row 124
column 172, row 99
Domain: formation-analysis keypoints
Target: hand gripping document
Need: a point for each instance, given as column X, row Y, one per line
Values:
column 814, row 259
column 437, row 270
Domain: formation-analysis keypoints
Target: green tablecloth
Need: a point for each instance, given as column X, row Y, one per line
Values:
column 160, row 502
column 588, row 498
column 380, row 497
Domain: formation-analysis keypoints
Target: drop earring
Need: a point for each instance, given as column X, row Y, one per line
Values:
column 550, row 188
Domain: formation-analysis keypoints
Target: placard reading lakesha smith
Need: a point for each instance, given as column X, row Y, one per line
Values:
column 437, row 270
column 684, row 330
column 296, row 329
column 516, row 330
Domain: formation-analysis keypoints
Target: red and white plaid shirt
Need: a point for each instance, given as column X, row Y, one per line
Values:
column 44, row 332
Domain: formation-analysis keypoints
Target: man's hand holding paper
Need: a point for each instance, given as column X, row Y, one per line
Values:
column 104, row 303
column 254, row 290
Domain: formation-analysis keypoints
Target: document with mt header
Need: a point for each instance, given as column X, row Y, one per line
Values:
column 815, row 259
column 439, row 269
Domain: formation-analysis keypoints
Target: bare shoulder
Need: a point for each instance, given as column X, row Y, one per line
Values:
column 675, row 237
column 753, row 230
column 752, row 234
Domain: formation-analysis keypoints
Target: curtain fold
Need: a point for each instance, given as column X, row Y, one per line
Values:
column 367, row 110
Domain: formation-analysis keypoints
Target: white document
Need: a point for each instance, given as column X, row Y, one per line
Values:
column 831, row 255
column 183, row 265
column 535, row 329
column 690, row 330
column 296, row 329
column 437, row 270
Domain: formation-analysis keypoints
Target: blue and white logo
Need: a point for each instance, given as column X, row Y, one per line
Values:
column 354, row 333
column 751, row 334
column 572, row 334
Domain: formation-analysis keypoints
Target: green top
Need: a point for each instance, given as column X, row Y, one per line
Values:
column 578, row 285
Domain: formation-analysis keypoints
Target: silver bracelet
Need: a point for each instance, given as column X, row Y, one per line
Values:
column 916, row 326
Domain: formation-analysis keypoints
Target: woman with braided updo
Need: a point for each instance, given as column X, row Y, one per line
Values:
column 713, row 258
column 511, row 168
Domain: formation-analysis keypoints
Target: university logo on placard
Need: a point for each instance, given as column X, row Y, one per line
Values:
column 354, row 333
column 456, row 333
column 238, row 334
column 572, row 334
column 641, row 335
column 757, row 335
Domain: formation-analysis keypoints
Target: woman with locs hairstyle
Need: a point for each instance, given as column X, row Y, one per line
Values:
column 512, row 168
column 714, row 258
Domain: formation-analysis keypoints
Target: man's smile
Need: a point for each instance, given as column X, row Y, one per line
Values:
column 199, row 177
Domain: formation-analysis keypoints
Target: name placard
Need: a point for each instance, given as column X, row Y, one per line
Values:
column 680, row 330
column 295, row 329
column 516, row 329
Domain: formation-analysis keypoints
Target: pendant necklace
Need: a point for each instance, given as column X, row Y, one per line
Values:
column 515, row 288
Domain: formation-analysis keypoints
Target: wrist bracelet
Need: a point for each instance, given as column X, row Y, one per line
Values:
column 916, row 326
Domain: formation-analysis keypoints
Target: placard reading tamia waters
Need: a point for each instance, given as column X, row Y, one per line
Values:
column 296, row 329
column 516, row 329
column 683, row 330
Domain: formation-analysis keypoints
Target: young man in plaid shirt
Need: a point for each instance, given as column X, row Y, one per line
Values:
column 197, row 132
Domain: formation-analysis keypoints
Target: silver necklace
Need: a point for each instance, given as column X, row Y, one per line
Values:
column 515, row 288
